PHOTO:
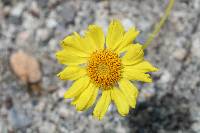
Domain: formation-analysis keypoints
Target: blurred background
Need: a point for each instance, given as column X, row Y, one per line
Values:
column 31, row 96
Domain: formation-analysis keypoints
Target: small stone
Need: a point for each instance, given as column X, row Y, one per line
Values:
column 53, row 44
column 6, row 11
column 52, row 89
column 34, row 9
column 7, row 2
column 63, row 112
column 36, row 88
column 43, row 34
column 196, row 127
column 43, row 3
column 3, row 127
column 4, row 111
column 8, row 103
column 165, row 77
column 47, row 127
column 61, row 93
column 121, row 129
column 17, row 119
column 127, row 23
column 40, row 107
column 25, row 67
column 68, row 12
column 17, row 10
column 53, row 117
column 51, row 23
column 23, row 37
column 180, row 54
column 16, row 14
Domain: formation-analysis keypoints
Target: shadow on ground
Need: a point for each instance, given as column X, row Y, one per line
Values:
column 168, row 114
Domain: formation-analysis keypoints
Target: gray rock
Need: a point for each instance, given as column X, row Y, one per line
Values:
column 68, row 12
column 43, row 3
column 17, row 119
column 16, row 14
column 3, row 127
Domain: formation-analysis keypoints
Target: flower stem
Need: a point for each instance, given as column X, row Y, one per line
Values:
column 160, row 24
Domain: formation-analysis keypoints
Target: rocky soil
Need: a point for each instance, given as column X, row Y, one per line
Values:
column 31, row 100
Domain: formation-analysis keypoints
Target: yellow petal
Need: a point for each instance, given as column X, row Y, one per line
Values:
column 93, row 98
column 93, row 38
column 134, row 55
column 75, row 100
column 91, row 101
column 115, row 34
column 74, row 51
column 88, row 42
column 128, row 39
column 102, row 104
column 77, row 87
column 72, row 73
column 120, row 101
column 132, row 74
column 74, row 41
column 85, row 97
column 143, row 66
column 81, row 43
column 97, row 36
column 129, row 91
column 68, row 58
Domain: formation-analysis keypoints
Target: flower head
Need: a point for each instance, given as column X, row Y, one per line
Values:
column 96, row 64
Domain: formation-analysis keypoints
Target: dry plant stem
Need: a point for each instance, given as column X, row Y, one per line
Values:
column 160, row 24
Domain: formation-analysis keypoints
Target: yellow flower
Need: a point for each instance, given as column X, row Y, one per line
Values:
column 106, row 65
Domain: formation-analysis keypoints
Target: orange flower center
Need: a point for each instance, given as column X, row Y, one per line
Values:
column 104, row 68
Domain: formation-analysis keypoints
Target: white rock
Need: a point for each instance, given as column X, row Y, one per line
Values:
column 47, row 127
column 61, row 92
column 165, row 77
column 196, row 127
column 121, row 129
column 64, row 112
column 179, row 54
column 51, row 23
column 34, row 8
column 17, row 10
column 127, row 23
column 52, row 44
column 40, row 107
column 53, row 117
column 42, row 34
column 23, row 37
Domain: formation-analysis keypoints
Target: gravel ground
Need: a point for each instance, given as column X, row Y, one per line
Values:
column 169, row 105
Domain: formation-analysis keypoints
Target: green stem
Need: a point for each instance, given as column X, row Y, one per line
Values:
column 160, row 24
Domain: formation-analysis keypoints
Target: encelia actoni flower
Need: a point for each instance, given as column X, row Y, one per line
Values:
column 104, row 66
